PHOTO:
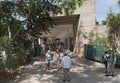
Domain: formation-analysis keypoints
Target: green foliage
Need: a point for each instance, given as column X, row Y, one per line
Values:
column 102, row 40
column 94, row 38
column 1, row 62
column 118, row 60
column 3, row 42
column 118, row 57
column 69, row 6
column 12, row 63
column 4, row 38
column 97, row 23
column 119, row 2
column 113, row 25
column 22, row 20
column 103, row 22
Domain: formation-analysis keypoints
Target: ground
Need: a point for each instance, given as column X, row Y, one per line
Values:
column 82, row 71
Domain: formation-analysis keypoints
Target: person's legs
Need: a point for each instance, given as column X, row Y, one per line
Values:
column 64, row 74
column 108, row 69
column 48, row 65
column 105, row 63
column 112, row 70
column 68, row 74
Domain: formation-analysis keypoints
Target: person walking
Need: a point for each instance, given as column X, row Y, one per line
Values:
column 111, row 63
column 105, row 60
column 66, row 65
column 48, row 60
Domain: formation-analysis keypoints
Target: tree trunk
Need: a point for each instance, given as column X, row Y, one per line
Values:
column 9, row 35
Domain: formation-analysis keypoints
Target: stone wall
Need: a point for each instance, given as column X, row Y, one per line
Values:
column 102, row 30
column 86, row 23
column 87, row 13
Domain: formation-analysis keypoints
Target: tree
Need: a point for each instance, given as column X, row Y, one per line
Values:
column 103, row 22
column 17, row 17
column 97, row 23
column 20, row 20
column 113, row 24
column 33, row 23
column 119, row 2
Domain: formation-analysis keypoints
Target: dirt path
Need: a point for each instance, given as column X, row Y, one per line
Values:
column 82, row 71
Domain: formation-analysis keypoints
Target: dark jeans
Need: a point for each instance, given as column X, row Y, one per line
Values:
column 66, row 74
column 105, row 63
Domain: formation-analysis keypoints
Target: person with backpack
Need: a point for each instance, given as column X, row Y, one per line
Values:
column 105, row 60
column 111, row 63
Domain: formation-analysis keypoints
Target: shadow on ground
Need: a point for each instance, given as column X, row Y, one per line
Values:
column 82, row 71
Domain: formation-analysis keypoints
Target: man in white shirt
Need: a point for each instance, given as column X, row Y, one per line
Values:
column 66, row 65
column 111, row 63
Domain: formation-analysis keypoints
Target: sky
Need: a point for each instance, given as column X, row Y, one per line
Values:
column 103, row 7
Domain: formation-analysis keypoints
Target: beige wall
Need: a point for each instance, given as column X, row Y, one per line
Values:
column 87, row 18
column 102, row 30
column 87, row 13
column 86, row 23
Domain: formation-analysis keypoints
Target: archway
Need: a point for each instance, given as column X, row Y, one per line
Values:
column 65, row 30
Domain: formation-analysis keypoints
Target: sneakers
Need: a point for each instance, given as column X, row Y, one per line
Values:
column 107, row 75
column 65, row 80
column 113, row 75
column 106, row 71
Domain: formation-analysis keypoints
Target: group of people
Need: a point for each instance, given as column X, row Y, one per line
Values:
column 110, row 61
column 56, row 44
column 60, row 58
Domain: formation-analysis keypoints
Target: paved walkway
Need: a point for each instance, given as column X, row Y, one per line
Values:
column 82, row 71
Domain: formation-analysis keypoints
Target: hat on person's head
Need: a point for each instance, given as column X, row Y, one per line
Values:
column 110, row 49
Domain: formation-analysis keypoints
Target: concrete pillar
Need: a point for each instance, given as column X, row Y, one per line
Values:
column 68, row 42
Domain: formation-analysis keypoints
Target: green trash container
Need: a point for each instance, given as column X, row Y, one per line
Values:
column 37, row 49
column 93, row 51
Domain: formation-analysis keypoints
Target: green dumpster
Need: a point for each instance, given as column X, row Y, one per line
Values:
column 93, row 52
column 37, row 49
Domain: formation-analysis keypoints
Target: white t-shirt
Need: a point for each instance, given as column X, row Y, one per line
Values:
column 61, row 55
column 56, row 56
column 48, row 56
column 66, row 62
column 106, row 56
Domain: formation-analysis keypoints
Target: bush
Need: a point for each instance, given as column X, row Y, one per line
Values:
column 12, row 63
column 118, row 60
column 25, row 57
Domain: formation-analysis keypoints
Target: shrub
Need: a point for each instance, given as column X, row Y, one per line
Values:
column 12, row 63
column 118, row 60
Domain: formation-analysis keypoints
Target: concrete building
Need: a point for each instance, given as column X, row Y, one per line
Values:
column 69, row 29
